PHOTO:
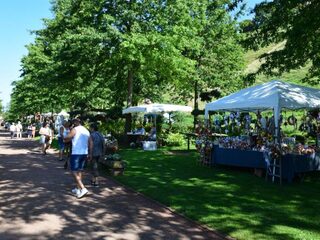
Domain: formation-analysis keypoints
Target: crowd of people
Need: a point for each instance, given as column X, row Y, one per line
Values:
column 16, row 130
column 78, row 147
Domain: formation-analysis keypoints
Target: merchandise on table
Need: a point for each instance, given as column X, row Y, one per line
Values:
column 258, row 143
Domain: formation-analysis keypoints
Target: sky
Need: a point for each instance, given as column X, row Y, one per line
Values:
column 17, row 19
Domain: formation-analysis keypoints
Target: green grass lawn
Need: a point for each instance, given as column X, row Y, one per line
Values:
column 232, row 201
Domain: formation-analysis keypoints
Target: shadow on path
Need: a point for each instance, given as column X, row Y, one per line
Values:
column 36, row 203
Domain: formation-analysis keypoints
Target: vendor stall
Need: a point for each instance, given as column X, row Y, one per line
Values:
column 189, row 136
column 273, row 96
column 291, row 164
column 155, row 108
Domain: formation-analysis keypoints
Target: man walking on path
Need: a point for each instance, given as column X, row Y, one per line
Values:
column 96, row 152
column 19, row 130
column 81, row 141
column 12, row 129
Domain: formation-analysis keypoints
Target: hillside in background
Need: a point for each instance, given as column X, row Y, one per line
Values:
column 253, row 63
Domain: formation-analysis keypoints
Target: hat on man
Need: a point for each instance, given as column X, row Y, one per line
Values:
column 76, row 121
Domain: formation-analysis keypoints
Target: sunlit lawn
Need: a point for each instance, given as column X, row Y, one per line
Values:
column 232, row 201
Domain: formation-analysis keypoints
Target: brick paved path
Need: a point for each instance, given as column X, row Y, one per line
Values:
column 36, row 203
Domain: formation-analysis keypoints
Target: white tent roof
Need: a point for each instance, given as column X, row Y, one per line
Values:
column 64, row 113
column 272, row 95
column 157, row 108
column 49, row 114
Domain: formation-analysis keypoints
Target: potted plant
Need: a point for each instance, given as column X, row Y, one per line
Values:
column 115, row 164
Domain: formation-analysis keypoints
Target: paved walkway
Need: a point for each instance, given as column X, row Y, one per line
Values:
column 36, row 203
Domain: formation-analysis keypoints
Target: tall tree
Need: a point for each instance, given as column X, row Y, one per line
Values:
column 100, row 54
column 98, row 48
column 216, row 49
column 65, row 62
column 149, row 46
column 296, row 24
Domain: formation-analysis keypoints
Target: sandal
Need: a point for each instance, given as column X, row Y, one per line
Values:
column 65, row 166
column 94, row 183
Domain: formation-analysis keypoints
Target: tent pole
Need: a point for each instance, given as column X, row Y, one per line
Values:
column 276, row 114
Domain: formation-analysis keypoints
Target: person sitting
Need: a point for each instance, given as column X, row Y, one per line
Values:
column 152, row 136
column 140, row 130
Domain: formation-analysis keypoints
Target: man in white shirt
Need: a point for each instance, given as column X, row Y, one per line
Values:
column 12, row 129
column 19, row 130
column 80, row 138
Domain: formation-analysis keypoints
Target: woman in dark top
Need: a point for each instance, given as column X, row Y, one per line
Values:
column 95, row 152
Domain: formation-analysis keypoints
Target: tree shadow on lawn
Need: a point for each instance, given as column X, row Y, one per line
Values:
column 178, row 152
column 231, row 201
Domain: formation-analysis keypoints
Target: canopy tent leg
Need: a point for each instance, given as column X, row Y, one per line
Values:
column 276, row 114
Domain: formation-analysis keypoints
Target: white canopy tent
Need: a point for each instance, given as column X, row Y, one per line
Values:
column 63, row 113
column 275, row 95
column 157, row 108
column 61, row 116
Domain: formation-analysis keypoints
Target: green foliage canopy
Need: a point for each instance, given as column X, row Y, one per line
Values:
column 296, row 24
column 100, row 54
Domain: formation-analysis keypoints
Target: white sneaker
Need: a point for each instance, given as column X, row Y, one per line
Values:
column 75, row 191
column 82, row 192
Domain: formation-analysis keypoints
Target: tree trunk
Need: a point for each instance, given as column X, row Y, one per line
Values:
column 129, row 100
column 196, row 105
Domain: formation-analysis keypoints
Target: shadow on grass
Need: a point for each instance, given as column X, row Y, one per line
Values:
column 234, row 202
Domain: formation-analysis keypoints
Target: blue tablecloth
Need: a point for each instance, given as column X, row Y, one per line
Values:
column 236, row 157
column 291, row 164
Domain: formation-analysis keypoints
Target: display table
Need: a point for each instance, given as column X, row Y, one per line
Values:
column 195, row 135
column 291, row 164
column 238, row 158
column 134, row 137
